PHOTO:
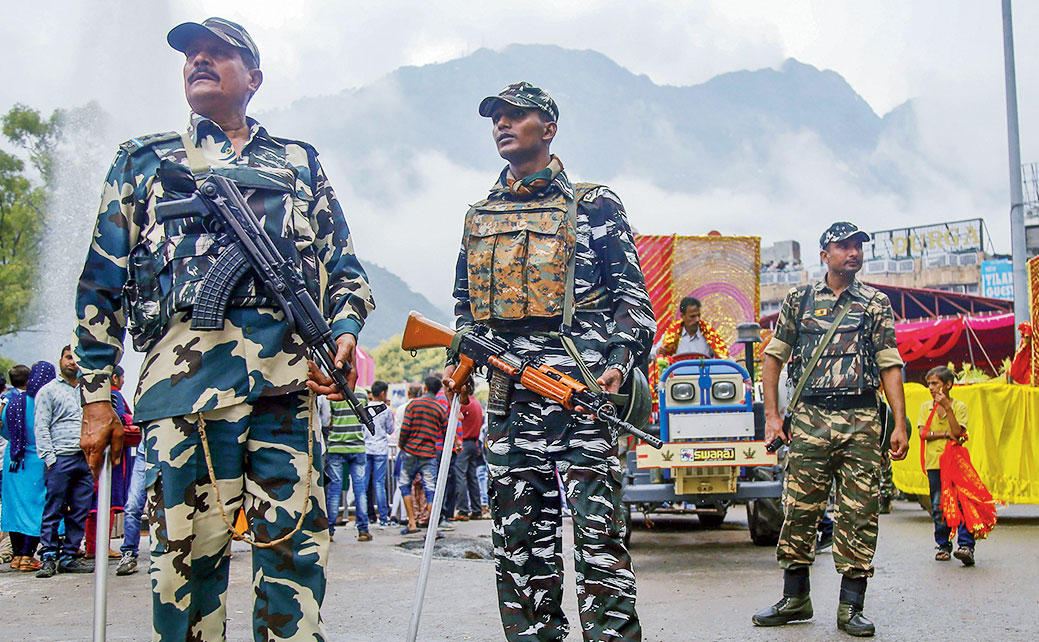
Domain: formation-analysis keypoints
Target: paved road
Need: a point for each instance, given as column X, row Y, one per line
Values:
column 694, row 584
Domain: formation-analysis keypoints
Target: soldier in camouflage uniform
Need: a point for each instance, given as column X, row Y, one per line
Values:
column 242, row 384
column 511, row 276
column 835, row 430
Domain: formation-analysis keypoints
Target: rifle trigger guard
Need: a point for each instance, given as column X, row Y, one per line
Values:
column 414, row 353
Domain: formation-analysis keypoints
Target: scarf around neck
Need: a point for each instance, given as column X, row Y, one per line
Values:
column 530, row 186
column 40, row 374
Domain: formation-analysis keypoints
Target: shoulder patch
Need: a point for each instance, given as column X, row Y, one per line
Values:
column 135, row 144
column 868, row 291
column 590, row 191
column 292, row 141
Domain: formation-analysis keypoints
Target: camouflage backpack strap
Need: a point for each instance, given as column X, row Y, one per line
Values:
column 818, row 351
column 580, row 190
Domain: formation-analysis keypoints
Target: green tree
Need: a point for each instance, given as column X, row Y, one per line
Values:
column 21, row 228
column 393, row 365
column 25, row 127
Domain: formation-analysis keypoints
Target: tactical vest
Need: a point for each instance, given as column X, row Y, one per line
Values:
column 163, row 281
column 517, row 253
column 847, row 364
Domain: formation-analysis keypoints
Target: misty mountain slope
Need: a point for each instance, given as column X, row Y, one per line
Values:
column 612, row 122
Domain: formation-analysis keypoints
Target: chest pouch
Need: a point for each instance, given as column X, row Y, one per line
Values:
column 168, row 276
column 846, row 364
column 517, row 255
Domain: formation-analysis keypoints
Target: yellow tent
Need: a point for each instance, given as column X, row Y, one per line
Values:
column 1003, row 425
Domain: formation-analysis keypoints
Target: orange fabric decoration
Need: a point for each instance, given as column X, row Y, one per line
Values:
column 673, row 335
column 1021, row 368
column 923, row 440
column 1033, row 305
column 964, row 497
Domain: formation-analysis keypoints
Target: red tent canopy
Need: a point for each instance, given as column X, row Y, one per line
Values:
column 978, row 330
column 981, row 340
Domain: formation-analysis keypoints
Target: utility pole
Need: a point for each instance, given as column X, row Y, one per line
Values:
column 1017, row 207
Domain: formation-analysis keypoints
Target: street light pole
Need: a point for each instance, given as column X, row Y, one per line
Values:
column 1017, row 208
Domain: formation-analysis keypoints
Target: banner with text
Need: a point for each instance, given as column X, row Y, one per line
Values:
column 997, row 279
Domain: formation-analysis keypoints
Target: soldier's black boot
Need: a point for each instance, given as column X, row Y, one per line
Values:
column 849, row 612
column 795, row 605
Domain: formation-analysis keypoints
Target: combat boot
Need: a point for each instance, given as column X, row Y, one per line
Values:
column 849, row 612
column 795, row 605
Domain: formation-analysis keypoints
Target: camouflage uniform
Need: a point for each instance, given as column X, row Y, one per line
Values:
column 245, row 380
column 613, row 327
column 834, row 446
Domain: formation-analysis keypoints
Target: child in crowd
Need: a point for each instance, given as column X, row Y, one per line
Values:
column 943, row 419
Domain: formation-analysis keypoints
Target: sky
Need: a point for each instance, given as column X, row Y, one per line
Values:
column 947, row 55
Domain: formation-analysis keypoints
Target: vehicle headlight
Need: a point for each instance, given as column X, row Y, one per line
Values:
column 682, row 391
column 724, row 390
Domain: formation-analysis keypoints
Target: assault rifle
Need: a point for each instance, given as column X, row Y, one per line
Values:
column 477, row 349
column 247, row 247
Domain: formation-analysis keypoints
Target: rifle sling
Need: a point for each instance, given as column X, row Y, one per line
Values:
column 818, row 351
column 196, row 161
column 568, row 309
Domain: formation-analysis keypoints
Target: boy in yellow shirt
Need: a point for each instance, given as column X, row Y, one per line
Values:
column 943, row 419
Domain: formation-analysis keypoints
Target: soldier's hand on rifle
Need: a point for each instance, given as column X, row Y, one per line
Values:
column 465, row 388
column 611, row 380
column 101, row 427
column 345, row 354
column 774, row 428
column 321, row 383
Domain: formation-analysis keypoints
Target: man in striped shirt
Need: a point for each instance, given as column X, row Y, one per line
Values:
column 346, row 451
column 425, row 421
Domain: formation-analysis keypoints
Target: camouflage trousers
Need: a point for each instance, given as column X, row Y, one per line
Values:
column 523, row 452
column 838, row 448
column 259, row 456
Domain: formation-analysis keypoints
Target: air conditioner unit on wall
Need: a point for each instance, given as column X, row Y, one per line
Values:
column 970, row 258
column 937, row 261
column 878, row 266
column 905, row 265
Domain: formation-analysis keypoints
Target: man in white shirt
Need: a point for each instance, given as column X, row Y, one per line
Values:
column 691, row 340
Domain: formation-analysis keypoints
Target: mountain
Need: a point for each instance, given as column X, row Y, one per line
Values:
column 764, row 151
column 612, row 122
column 393, row 300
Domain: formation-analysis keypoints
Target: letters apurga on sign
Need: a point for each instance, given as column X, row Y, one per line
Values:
column 927, row 240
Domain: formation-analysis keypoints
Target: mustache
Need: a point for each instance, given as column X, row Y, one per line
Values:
column 203, row 72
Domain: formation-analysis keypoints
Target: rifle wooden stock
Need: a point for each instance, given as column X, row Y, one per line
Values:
column 421, row 333
column 477, row 348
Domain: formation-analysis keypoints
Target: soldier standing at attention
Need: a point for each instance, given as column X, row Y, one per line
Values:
column 835, row 430
column 534, row 237
column 241, row 389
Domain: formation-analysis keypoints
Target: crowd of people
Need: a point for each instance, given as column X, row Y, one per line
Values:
column 412, row 437
column 48, row 498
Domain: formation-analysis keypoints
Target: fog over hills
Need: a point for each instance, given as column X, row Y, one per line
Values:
column 612, row 122
column 778, row 153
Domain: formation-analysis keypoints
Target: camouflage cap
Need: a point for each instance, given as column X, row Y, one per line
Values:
column 522, row 94
column 232, row 33
column 841, row 231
